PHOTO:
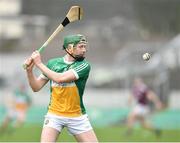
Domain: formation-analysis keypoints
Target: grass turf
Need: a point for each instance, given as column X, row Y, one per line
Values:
column 31, row 133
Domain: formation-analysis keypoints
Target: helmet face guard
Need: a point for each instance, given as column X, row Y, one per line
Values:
column 79, row 58
column 76, row 57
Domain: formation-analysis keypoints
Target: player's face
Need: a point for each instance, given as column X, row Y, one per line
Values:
column 80, row 49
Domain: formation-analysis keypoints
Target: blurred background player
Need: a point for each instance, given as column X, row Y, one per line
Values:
column 142, row 96
column 16, row 109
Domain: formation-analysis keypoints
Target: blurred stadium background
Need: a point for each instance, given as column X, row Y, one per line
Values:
column 119, row 32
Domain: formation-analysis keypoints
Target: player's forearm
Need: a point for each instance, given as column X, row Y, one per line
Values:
column 49, row 73
column 33, row 82
column 154, row 98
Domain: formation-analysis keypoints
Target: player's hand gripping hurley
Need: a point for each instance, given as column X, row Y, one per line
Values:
column 75, row 13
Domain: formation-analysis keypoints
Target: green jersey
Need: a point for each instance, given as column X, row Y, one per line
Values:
column 67, row 98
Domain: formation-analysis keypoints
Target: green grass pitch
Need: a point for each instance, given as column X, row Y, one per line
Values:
column 31, row 133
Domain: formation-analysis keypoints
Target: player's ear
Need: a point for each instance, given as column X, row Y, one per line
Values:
column 70, row 48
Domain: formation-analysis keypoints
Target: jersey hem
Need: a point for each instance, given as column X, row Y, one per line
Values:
column 66, row 114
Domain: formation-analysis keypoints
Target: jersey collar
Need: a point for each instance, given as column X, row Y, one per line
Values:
column 67, row 62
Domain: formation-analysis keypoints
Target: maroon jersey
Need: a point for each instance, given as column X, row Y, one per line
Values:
column 140, row 94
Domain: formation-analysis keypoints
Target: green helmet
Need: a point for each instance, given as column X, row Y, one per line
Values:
column 73, row 39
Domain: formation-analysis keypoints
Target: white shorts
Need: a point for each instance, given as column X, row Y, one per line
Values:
column 141, row 110
column 75, row 125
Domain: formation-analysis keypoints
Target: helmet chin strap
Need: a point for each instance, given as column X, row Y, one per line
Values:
column 76, row 57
